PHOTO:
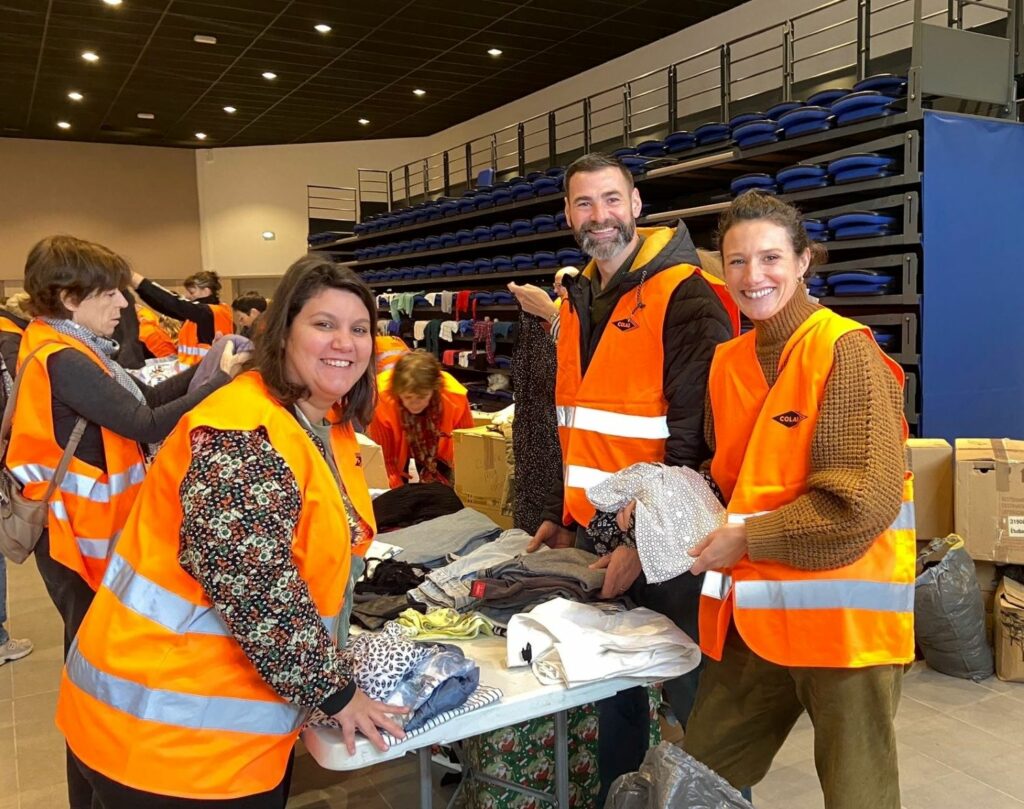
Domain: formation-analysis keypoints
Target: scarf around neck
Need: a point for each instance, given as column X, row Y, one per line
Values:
column 102, row 347
column 423, row 433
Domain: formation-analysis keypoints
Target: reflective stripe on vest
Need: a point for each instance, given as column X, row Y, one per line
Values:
column 386, row 355
column 825, row 594
column 195, row 351
column 80, row 485
column 171, row 611
column 185, row 710
column 583, row 477
column 92, row 547
column 609, row 422
column 716, row 585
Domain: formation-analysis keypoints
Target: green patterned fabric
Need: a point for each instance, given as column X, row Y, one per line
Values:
column 525, row 754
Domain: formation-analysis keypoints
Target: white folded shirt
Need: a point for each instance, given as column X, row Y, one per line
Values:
column 575, row 643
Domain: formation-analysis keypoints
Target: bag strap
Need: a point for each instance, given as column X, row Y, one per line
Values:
column 5, row 428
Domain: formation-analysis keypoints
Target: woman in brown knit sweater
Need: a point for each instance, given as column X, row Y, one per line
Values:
column 808, row 599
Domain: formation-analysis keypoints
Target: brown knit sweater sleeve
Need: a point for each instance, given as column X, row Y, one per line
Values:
column 855, row 484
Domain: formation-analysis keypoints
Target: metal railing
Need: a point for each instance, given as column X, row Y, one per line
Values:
column 331, row 202
column 833, row 39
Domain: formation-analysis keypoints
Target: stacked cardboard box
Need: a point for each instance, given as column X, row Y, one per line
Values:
column 931, row 461
column 372, row 460
column 483, row 475
column 1009, row 631
column 990, row 498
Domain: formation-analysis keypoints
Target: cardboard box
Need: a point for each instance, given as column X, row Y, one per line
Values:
column 483, row 477
column 931, row 461
column 989, row 499
column 1009, row 631
column 988, row 582
column 481, row 419
column 372, row 462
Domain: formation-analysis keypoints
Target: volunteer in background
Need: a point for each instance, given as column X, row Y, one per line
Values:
column 419, row 406
column 637, row 333
column 220, row 629
column 809, row 596
column 74, row 291
column 247, row 309
column 389, row 350
column 202, row 314
column 152, row 334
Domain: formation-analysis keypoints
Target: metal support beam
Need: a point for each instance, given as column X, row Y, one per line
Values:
column 521, row 148
column 552, row 139
column 863, row 38
column 955, row 14
column 586, row 124
column 446, row 175
column 787, row 61
column 627, row 114
column 469, row 165
column 494, row 153
column 408, row 196
column 673, row 98
column 426, row 179
column 725, row 79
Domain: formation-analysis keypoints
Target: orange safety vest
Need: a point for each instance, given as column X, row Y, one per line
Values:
column 858, row 615
column 10, row 326
column 156, row 694
column 190, row 350
column 389, row 351
column 615, row 415
column 153, row 335
column 88, row 511
column 386, row 428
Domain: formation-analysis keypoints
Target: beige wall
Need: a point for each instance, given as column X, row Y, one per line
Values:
column 140, row 201
column 249, row 189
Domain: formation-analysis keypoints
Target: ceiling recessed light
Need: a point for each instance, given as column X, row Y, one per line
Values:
column 112, row 2
column 90, row 56
column 145, row 116
column 364, row 121
column 267, row 74
column 63, row 124
column 268, row 235
column 230, row 110
column 323, row 28
column 419, row 92
column 74, row 95
column 201, row 135
column 204, row 39
column 495, row 52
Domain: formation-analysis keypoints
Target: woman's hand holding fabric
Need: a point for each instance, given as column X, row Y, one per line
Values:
column 367, row 715
column 721, row 549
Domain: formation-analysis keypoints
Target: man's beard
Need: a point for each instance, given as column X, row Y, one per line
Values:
column 603, row 250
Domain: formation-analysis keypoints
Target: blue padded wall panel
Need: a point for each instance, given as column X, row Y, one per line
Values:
column 973, row 328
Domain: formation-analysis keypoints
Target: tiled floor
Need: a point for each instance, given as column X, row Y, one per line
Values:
column 961, row 743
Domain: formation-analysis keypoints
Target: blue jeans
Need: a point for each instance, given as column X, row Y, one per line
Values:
column 4, row 634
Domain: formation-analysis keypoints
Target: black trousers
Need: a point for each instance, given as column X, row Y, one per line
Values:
column 624, row 720
column 71, row 596
column 112, row 795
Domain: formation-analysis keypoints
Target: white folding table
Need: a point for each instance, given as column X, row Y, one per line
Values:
column 524, row 698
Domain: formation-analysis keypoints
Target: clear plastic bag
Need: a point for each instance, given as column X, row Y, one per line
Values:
column 672, row 779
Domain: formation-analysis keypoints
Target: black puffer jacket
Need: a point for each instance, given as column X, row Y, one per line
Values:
column 695, row 323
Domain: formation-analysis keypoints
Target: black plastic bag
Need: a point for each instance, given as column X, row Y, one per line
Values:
column 949, row 613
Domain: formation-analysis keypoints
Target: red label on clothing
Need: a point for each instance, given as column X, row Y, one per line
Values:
column 477, row 589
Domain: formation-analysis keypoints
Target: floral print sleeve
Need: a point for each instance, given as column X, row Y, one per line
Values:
column 241, row 504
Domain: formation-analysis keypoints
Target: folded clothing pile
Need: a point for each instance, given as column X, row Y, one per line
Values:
column 532, row 579
column 569, row 643
column 426, row 678
column 449, row 586
column 436, row 542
